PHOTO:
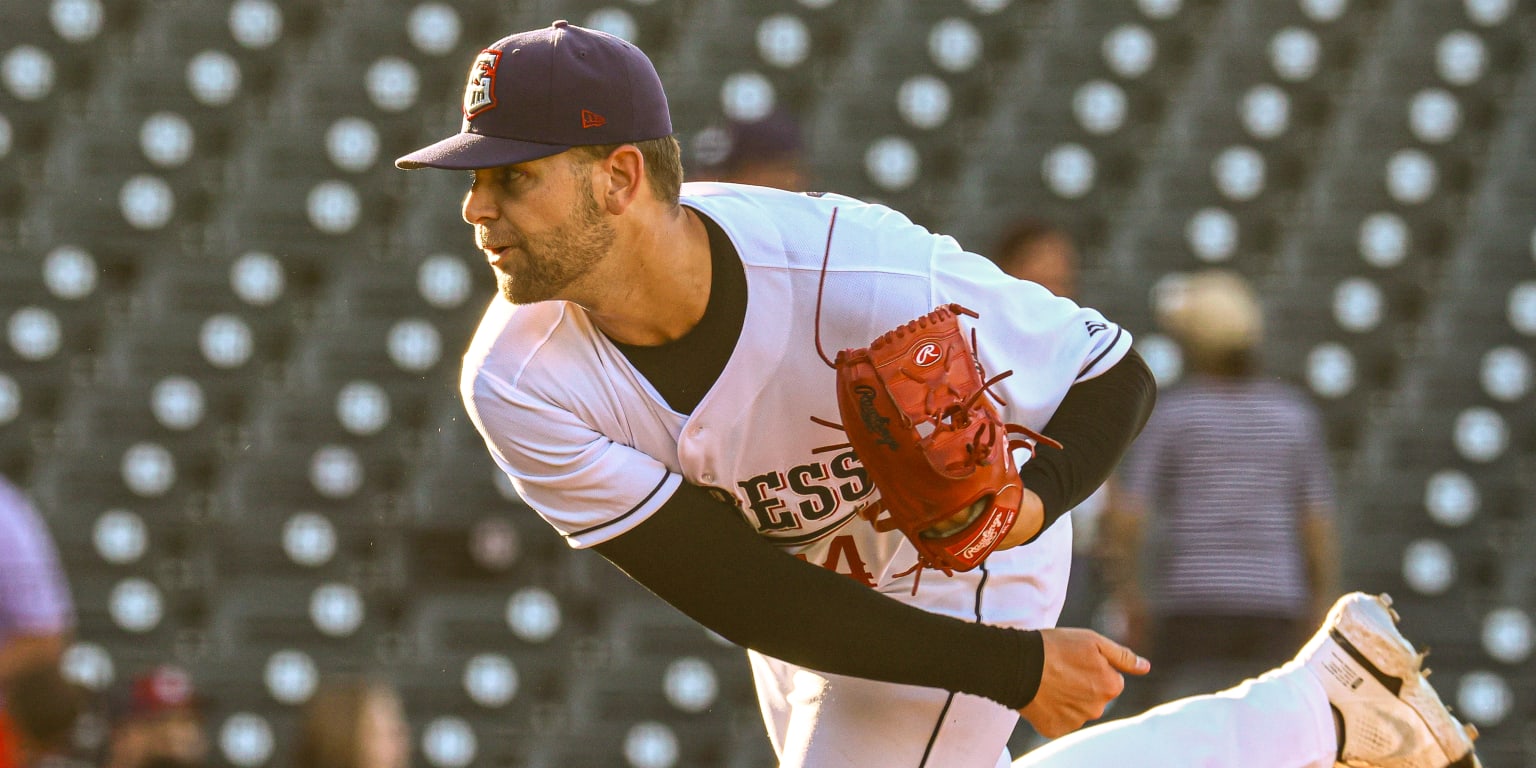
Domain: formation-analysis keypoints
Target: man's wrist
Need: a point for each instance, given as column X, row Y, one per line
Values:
column 1032, row 670
column 1029, row 523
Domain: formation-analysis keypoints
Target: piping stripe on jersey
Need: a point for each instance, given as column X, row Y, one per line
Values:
column 980, row 585
column 935, row 735
column 636, row 508
column 1107, row 350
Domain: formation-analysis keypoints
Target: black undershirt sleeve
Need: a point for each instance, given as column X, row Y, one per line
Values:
column 700, row 556
column 1095, row 424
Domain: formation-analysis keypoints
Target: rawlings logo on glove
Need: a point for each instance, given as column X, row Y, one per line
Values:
column 917, row 409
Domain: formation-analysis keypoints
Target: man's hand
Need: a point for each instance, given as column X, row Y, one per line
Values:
column 1082, row 675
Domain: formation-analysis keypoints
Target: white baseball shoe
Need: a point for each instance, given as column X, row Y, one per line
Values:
column 1374, row 678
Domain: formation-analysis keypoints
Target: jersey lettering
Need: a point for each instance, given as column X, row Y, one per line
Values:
column 801, row 481
column 765, row 505
column 844, row 549
column 847, row 467
column 807, row 493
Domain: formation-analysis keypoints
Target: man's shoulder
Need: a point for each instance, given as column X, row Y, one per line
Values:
column 772, row 227
column 510, row 336
column 695, row 191
column 744, row 205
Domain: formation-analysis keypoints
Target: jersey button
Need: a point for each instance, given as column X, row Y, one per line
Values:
column 707, row 477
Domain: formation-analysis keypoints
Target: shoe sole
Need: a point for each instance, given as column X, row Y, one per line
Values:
column 1365, row 626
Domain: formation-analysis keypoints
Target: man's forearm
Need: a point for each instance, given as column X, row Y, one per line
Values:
column 702, row 559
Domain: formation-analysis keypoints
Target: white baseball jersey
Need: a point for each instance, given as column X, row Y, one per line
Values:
column 592, row 446
column 594, row 449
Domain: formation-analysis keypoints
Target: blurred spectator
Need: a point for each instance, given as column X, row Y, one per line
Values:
column 43, row 710
column 1230, row 482
column 353, row 724
column 159, row 724
column 767, row 152
column 1040, row 252
column 36, row 614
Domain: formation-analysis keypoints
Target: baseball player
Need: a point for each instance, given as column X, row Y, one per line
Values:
column 648, row 378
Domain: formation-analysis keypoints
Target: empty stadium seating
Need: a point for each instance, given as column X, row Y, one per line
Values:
column 231, row 329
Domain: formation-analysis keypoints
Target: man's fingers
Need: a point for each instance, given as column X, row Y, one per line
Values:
column 1123, row 658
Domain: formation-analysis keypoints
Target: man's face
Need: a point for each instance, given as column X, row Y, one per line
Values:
column 539, row 225
column 1050, row 261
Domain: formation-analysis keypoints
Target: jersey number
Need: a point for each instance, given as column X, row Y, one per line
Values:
column 844, row 549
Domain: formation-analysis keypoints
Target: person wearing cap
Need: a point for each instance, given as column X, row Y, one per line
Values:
column 159, row 723
column 1232, row 587
column 1044, row 253
column 647, row 376
column 766, row 152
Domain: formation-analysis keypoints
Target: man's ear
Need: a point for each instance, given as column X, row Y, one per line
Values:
column 625, row 178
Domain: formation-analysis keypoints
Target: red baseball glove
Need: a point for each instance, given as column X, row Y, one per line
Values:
column 915, row 405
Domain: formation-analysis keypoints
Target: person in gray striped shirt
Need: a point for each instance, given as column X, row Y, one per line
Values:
column 1230, row 486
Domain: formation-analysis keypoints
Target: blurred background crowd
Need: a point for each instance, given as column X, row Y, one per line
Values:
column 247, row 524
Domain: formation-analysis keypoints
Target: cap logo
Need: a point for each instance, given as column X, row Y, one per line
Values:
column 590, row 119
column 480, row 92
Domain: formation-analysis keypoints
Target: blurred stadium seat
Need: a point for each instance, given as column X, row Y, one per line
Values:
column 232, row 330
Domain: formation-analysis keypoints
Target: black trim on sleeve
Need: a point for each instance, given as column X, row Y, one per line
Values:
column 1095, row 424
column 636, row 508
column 1108, row 349
column 700, row 556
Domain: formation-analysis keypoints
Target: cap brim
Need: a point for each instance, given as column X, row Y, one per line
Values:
column 468, row 151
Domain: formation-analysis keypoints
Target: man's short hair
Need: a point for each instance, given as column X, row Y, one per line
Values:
column 1025, row 233
column 663, row 164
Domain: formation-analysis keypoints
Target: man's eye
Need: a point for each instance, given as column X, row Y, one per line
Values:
column 502, row 177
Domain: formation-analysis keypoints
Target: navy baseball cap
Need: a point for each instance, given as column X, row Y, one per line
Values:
column 541, row 92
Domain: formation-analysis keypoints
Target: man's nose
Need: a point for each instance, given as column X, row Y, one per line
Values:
column 478, row 206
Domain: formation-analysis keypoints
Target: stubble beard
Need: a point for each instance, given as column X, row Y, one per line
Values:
column 543, row 268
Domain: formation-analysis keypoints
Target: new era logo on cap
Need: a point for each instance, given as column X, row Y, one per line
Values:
column 590, row 119
column 480, row 91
